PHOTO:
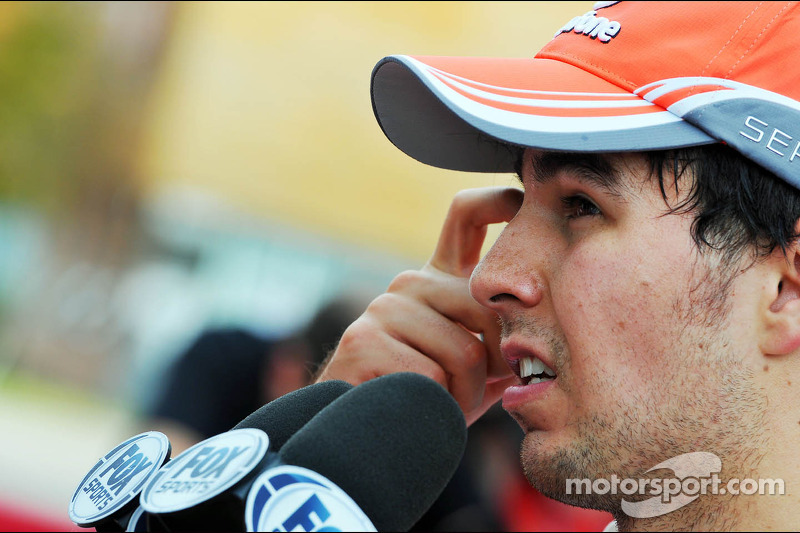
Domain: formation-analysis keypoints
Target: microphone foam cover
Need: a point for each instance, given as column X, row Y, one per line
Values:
column 391, row 443
column 283, row 417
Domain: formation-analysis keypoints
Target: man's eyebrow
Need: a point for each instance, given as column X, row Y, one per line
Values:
column 596, row 169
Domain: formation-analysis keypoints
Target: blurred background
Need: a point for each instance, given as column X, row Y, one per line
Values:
column 172, row 168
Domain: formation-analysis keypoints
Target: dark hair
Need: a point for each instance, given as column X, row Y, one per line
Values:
column 739, row 206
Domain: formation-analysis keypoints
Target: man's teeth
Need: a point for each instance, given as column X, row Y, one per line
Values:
column 529, row 367
column 533, row 366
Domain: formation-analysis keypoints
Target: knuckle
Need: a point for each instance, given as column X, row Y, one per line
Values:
column 462, row 197
column 382, row 305
column 473, row 354
column 460, row 200
column 359, row 334
column 404, row 280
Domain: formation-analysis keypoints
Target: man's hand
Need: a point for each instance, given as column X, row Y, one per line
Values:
column 428, row 323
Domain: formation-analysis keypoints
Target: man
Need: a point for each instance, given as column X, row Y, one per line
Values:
column 639, row 315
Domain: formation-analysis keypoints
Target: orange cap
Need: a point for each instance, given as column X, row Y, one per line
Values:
column 626, row 76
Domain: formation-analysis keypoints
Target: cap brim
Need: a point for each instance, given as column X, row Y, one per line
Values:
column 467, row 113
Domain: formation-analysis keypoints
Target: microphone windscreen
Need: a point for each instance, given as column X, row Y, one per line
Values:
column 283, row 417
column 391, row 443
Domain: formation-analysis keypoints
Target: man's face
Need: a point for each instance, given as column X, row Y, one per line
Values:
column 644, row 337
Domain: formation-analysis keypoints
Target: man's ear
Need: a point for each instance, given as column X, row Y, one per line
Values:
column 782, row 318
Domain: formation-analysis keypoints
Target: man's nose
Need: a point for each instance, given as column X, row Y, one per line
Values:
column 510, row 276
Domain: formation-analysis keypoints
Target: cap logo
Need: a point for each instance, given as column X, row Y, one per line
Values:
column 590, row 24
column 778, row 140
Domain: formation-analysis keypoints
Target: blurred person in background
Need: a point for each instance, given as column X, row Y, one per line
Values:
column 227, row 373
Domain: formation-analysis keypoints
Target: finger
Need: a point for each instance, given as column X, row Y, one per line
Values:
column 461, row 355
column 366, row 352
column 449, row 296
column 491, row 395
column 464, row 229
column 496, row 366
column 479, row 320
column 495, row 389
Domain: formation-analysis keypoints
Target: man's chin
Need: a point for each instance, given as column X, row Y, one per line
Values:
column 548, row 468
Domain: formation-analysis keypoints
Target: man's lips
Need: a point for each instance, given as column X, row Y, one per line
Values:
column 533, row 369
column 526, row 358
column 517, row 397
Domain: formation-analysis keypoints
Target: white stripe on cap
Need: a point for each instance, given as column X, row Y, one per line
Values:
column 689, row 103
column 539, row 123
column 555, row 104
column 615, row 95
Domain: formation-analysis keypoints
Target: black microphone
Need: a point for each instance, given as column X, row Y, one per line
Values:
column 283, row 417
column 107, row 498
column 200, row 487
column 390, row 444
column 378, row 456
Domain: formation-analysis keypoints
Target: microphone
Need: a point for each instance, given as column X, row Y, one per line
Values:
column 391, row 444
column 378, row 456
column 107, row 497
column 200, row 486
column 283, row 417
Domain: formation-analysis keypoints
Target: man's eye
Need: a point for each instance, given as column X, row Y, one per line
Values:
column 579, row 206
